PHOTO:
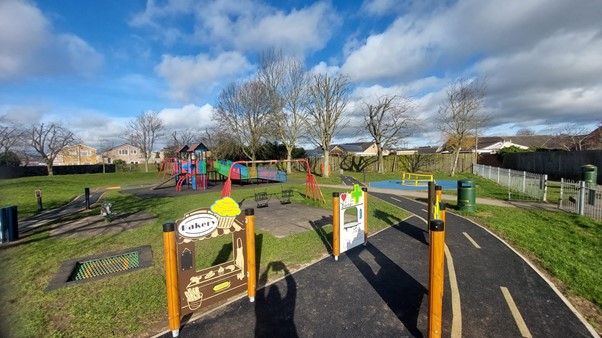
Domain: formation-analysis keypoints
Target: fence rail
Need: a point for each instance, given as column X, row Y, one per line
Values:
column 521, row 184
column 581, row 198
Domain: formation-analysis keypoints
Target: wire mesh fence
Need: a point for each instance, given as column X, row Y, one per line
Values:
column 581, row 198
column 521, row 184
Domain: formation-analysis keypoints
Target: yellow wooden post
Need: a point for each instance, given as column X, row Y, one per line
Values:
column 251, row 268
column 436, row 278
column 171, row 277
column 365, row 215
column 336, row 231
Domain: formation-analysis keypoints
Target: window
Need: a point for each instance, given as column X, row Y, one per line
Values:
column 134, row 152
column 72, row 152
column 86, row 153
column 123, row 152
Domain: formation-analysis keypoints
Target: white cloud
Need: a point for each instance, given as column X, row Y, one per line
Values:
column 187, row 75
column 324, row 68
column 189, row 116
column 29, row 47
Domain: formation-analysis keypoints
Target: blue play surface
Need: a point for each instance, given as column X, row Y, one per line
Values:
column 396, row 184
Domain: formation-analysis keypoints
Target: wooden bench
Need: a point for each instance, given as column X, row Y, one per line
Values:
column 262, row 199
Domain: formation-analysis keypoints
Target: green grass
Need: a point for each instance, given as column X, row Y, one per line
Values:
column 133, row 304
column 61, row 189
column 567, row 245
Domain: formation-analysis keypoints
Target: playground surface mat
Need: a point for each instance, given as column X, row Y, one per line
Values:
column 381, row 290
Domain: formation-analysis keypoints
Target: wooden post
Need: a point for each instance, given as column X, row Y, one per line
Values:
column 251, row 268
column 430, row 203
column 436, row 278
column 365, row 215
column 171, row 277
column 336, row 231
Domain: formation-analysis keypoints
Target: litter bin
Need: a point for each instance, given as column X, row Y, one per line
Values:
column 589, row 174
column 466, row 195
column 9, row 224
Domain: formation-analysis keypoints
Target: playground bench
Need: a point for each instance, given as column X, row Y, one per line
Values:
column 262, row 199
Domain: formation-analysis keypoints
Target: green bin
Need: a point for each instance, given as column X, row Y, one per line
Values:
column 9, row 224
column 589, row 174
column 466, row 195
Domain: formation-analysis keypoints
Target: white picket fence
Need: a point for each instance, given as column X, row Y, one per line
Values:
column 521, row 184
column 581, row 198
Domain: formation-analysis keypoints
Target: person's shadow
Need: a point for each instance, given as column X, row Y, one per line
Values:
column 398, row 289
column 274, row 312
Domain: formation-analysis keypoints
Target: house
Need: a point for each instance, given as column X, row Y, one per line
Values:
column 493, row 144
column 76, row 155
column 593, row 140
column 125, row 152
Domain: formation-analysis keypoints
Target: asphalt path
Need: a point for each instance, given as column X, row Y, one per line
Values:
column 78, row 204
column 501, row 295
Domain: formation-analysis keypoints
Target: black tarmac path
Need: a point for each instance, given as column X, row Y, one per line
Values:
column 380, row 290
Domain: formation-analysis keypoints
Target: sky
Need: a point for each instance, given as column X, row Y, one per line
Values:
column 95, row 65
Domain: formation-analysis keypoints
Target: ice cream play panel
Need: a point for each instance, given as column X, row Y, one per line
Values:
column 200, row 288
column 350, row 233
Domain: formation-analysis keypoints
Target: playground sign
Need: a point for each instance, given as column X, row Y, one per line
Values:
column 352, row 234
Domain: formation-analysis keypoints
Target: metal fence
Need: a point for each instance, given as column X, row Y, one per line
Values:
column 581, row 198
column 521, row 184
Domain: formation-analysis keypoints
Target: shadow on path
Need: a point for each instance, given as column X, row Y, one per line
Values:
column 398, row 289
column 275, row 308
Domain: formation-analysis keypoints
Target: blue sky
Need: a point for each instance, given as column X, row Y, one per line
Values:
column 94, row 65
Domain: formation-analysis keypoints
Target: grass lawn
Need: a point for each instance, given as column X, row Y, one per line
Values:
column 135, row 303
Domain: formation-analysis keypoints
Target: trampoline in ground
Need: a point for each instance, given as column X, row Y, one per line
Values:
column 396, row 184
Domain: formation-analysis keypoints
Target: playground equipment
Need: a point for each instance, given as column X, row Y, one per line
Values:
column 238, row 170
column 416, row 179
column 188, row 289
column 349, row 235
column 189, row 167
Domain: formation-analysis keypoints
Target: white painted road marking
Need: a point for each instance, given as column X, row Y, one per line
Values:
column 456, row 329
column 520, row 322
column 424, row 210
column 396, row 199
column 471, row 240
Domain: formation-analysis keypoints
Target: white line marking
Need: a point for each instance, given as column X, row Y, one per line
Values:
column 396, row 199
column 522, row 326
column 424, row 210
column 471, row 240
column 456, row 329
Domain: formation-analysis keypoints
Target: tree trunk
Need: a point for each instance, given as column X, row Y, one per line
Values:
column 49, row 166
column 381, row 160
column 289, row 156
column 146, row 164
column 455, row 164
column 326, row 172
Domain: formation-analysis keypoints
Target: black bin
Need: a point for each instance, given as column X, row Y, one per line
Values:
column 9, row 224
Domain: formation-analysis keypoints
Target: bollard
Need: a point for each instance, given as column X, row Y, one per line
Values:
column 365, row 215
column 171, row 277
column 436, row 276
column 87, row 194
column 437, row 201
column 251, row 268
column 430, row 202
column 336, row 232
column 39, row 198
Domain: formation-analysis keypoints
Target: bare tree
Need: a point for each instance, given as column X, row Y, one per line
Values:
column 461, row 113
column 287, row 80
column 11, row 134
column 245, row 111
column 187, row 136
column 525, row 132
column 143, row 131
column 105, row 147
column 221, row 144
column 388, row 120
column 572, row 136
column 48, row 140
column 328, row 98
